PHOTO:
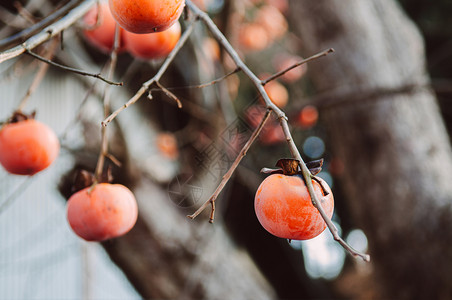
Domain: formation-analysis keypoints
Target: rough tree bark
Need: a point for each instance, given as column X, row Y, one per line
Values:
column 384, row 123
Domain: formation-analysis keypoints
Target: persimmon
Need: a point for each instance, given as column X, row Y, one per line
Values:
column 27, row 147
column 284, row 208
column 102, row 212
column 146, row 16
column 102, row 35
column 253, row 37
column 153, row 45
column 308, row 116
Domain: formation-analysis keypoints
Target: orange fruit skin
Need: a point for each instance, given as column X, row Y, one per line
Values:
column 153, row 45
column 146, row 16
column 27, row 147
column 283, row 207
column 107, row 211
column 103, row 36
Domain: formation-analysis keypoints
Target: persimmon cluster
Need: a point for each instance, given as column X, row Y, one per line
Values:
column 148, row 29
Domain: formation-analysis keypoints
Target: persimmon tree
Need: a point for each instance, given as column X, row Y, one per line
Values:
column 269, row 122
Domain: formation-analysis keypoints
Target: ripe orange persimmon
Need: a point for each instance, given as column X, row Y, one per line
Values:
column 153, row 45
column 146, row 16
column 102, row 212
column 102, row 35
column 283, row 207
column 27, row 147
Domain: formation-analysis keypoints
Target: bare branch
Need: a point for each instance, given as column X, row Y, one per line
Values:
column 50, row 31
column 76, row 71
column 281, row 116
column 301, row 62
column 45, row 22
column 204, row 85
column 145, row 87
column 169, row 94
column 106, row 101
column 228, row 175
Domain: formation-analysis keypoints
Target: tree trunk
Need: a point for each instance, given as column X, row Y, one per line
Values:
column 385, row 125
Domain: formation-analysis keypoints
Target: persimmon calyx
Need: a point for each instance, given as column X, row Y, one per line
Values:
column 290, row 166
column 84, row 179
column 20, row 116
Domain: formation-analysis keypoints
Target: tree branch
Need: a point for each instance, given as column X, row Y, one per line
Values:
column 73, row 70
column 145, row 87
column 228, row 175
column 44, row 22
column 281, row 116
column 48, row 32
column 301, row 62
column 106, row 102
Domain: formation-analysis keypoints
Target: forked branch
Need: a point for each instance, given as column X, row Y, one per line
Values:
column 145, row 87
column 49, row 31
column 228, row 175
column 282, row 119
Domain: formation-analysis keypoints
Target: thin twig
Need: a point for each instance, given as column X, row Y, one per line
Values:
column 301, row 62
column 73, row 70
column 281, row 116
column 204, row 85
column 228, row 175
column 106, row 101
column 145, row 86
column 50, row 31
column 169, row 94
column 44, row 22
